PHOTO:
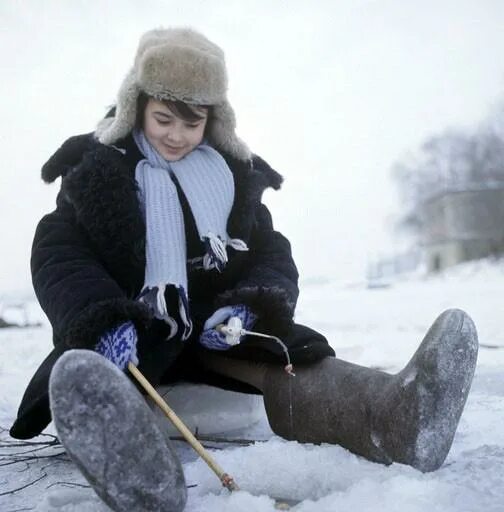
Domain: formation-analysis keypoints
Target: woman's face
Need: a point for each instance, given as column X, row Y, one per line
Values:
column 170, row 135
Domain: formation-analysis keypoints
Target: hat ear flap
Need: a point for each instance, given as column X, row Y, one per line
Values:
column 221, row 132
column 111, row 129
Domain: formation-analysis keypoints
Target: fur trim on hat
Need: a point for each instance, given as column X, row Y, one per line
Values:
column 177, row 64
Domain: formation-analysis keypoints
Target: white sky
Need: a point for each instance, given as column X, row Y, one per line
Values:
column 331, row 93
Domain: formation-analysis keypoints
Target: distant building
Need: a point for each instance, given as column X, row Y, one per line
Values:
column 461, row 225
column 382, row 271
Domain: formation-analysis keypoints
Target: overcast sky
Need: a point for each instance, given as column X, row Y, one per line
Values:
column 330, row 93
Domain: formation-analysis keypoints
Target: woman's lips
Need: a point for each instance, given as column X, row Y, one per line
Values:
column 173, row 149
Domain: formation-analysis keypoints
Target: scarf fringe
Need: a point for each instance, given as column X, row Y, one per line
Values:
column 154, row 297
column 237, row 244
column 184, row 312
column 216, row 254
column 161, row 300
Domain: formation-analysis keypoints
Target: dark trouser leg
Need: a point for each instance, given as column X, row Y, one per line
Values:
column 250, row 372
column 410, row 417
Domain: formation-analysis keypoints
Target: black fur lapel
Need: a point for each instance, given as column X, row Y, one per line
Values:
column 251, row 179
column 103, row 191
column 67, row 156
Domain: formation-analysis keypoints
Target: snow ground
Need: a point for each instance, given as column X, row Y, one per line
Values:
column 379, row 327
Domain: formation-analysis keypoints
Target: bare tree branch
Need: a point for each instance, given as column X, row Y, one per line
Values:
column 12, row 491
column 69, row 484
column 223, row 440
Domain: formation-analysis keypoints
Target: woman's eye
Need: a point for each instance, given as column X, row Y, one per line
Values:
column 163, row 122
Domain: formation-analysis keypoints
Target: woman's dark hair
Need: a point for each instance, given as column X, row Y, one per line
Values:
column 189, row 113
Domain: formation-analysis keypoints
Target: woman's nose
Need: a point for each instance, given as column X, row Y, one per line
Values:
column 174, row 133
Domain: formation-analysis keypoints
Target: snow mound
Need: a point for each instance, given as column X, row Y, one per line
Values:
column 328, row 478
column 71, row 501
column 378, row 327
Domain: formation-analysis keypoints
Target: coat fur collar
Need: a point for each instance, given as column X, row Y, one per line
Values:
column 99, row 181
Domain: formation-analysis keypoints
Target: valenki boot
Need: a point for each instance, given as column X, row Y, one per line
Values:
column 109, row 432
column 410, row 417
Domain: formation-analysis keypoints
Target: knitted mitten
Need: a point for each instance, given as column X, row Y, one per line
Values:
column 118, row 345
column 214, row 340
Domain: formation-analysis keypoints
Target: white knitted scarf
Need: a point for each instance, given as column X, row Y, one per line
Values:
column 208, row 185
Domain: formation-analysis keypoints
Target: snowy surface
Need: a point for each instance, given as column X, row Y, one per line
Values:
column 378, row 327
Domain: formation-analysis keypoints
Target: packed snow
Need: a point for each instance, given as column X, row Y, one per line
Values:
column 379, row 327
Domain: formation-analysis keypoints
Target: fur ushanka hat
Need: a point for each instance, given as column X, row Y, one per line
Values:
column 177, row 64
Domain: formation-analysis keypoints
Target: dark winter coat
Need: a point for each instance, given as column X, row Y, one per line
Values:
column 88, row 262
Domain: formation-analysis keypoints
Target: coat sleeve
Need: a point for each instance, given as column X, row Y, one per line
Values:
column 75, row 291
column 270, row 285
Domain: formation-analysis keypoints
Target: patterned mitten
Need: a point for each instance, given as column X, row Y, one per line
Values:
column 214, row 340
column 119, row 345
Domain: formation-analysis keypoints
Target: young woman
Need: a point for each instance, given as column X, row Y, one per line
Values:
column 158, row 236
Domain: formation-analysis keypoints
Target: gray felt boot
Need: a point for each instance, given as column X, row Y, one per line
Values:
column 410, row 417
column 109, row 432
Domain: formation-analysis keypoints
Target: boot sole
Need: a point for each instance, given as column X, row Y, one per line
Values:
column 111, row 435
column 438, row 379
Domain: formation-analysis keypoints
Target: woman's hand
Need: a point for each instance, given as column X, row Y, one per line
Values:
column 118, row 345
column 213, row 339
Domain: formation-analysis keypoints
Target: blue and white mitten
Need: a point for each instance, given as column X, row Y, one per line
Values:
column 118, row 345
column 213, row 339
